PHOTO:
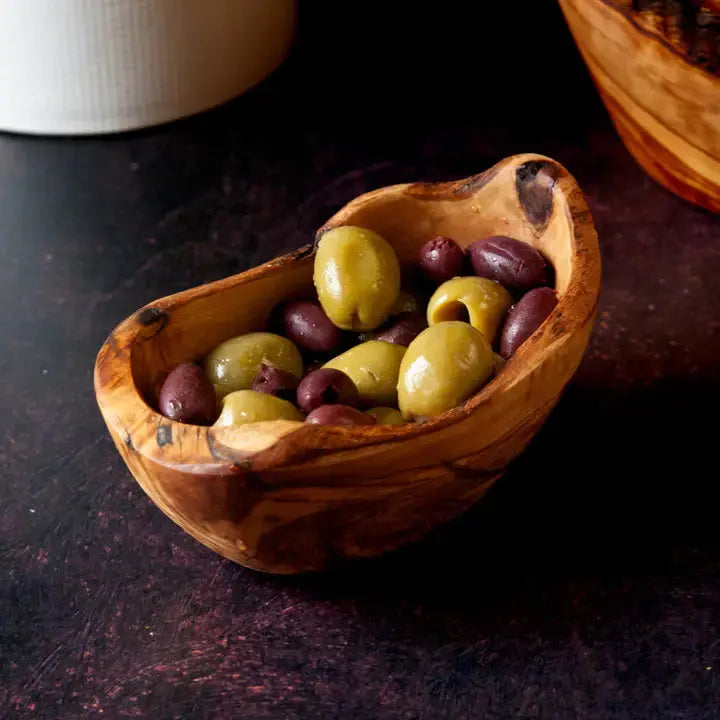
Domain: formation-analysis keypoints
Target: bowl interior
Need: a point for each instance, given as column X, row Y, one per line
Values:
column 288, row 496
column 195, row 321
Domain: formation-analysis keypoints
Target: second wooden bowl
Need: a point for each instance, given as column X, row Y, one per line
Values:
column 287, row 497
column 655, row 70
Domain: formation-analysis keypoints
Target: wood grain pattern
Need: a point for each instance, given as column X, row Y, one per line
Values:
column 660, row 90
column 286, row 497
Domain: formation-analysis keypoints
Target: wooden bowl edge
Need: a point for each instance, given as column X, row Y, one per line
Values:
column 218, row 457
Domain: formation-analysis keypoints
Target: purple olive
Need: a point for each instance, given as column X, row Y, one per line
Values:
column 326, row 386
column 275, row 381
column 188, row 396
column 339, row 415
column 441, row 259
column 525, row 318
column 513, row 263
column 404, row 330
column 307, row 325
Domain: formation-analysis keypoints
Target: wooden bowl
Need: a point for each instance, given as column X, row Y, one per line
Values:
column 655, row 70
column 287, row 497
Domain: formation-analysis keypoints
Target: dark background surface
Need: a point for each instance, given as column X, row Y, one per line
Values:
column 586, row 584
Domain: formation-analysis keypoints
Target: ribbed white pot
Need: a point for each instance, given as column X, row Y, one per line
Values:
column 97, row 66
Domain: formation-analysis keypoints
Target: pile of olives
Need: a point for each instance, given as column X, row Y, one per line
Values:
column 370, row 350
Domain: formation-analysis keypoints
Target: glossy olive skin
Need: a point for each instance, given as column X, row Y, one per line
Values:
column 248, row 406
column 441, row 259
column 357, row 277
column 338, row 415
column 306, row 324
column 373, row 367
column 233, row 364
column 404, row 329
column 386, row 416
column 482, row 301
column 187, row 396
column 326, row 386
column 525, row 318
column 275, row 381
column 513, row 263
column 444, row 366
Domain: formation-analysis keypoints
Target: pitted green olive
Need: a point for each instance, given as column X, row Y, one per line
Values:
column 443, row 367
column 483, row 302
column 357, row 277
column 234, row 364
column 373, row 366
column 248, row 406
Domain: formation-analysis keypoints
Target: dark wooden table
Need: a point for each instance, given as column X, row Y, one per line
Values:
column 586, row 585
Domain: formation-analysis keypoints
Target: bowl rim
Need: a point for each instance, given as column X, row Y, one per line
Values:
column 212, row 450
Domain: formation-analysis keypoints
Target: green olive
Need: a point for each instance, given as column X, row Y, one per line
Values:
column 357, row 277
column 443, row 367
column 373, row 366
column 482, row 301
column 386, row 415
column 233, row 364
column 249, row 406
column 219, row 392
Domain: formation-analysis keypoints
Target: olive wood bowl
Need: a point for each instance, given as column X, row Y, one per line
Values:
column 657, row 76
column 287, row 497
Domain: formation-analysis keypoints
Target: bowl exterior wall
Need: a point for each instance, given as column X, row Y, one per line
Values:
column 309, row 516
column 666, row 111
column 288, row 497
column 79, row 67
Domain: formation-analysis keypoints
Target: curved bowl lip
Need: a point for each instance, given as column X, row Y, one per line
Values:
column 630, row 15
column 212, row 450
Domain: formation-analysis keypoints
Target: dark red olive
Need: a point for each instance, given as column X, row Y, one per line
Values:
column 275, row 381
column 404, row 330
column 188, row 396
column 326, row 386
column 513, row 263
column 307, row 325
column 525, row 318
column 339, row 415
column 441, row 259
